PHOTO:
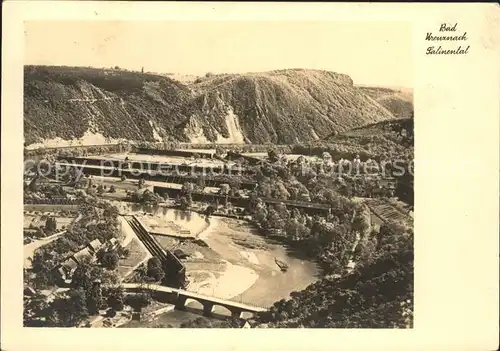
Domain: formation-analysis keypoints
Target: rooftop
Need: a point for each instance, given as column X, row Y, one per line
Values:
column 83, row 253
column 70, row 263
column 95, row 244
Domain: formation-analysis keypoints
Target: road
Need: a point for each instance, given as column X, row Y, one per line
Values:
column 193, row 295
column 29, row 249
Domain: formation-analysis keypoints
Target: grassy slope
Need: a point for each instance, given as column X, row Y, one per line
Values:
column 399, row 101
column 290, row 106
column 279, row 106
column 66, row 102
column 376, row 139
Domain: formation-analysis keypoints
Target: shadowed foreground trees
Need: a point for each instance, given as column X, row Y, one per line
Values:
column 202, row 322
column 155, row 269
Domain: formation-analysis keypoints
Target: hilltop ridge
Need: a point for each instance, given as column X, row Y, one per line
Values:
column 84, row 104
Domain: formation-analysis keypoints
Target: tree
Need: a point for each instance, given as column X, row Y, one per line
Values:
column 224, row 189
column 265, row 189
column 253, row 201
column 100, row 189
column 138, row 301
column 187, row 188
column 42, row 265
column 94, row 298
column 366, row 250
column 123, row 252
column 404, row 187
column 115, row 298
column 361, row 221
column 68, row 312
column 141, row 183
column 280, row 191
column 209, row 211
column 186, row 202
column 261, row 215
column 200, row 184
column 110, row 278
column 110, row 260
column 274, row 220
column 51, row 224
column 304, row 197
column 155, row 269
column 295, row 230
column 272, row 154
column 34, row 307
column 219, row 151
column 81, row 277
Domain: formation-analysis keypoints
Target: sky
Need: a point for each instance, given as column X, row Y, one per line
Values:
column 372, row 53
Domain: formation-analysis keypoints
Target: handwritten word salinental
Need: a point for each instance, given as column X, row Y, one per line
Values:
column 447, row 33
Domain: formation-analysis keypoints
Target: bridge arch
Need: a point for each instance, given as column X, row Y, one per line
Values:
column 248, row 314
column 194, row 303
column 223, row 310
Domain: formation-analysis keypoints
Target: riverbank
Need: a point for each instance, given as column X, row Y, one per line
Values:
column 208, row 269
column 231, row 260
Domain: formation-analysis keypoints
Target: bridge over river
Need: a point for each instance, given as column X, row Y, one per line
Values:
column 208, row 302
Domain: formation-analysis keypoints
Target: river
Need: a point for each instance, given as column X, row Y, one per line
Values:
column 240, row 245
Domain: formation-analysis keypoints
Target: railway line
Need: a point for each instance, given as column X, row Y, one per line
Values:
column 175, row 271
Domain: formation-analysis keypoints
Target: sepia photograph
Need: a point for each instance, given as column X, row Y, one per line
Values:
column 226, row 175
column 245, row 176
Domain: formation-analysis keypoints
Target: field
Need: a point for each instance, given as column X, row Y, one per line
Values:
column 176, row 160
column 136, row 256
column 201, row 260
column 166, row 242
column 50, row 208
column 121, row 187
column 159, row 225
column 32, row 221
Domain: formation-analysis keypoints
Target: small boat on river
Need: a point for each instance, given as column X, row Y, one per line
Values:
column 283, row 266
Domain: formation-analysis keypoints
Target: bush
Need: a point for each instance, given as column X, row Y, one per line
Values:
column 138, row 301
column 155, row 269
column 110, row 260
column 111, row 313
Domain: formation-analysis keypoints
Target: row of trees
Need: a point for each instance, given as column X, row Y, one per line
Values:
column 329, row 241
column 93, row 288
column 77, row 151
column 377, row 294
column 98, row 221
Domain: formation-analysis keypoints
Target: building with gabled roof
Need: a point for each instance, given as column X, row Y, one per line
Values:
column 94, row 245
column 82, row 255
column 67, row 268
